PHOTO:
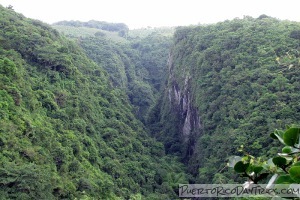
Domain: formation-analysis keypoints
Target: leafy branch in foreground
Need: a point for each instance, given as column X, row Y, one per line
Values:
column 284, row 168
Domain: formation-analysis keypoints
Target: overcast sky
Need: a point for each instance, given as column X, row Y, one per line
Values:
column 154, row 13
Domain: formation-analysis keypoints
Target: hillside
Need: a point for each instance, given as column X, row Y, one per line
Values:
column 136, row 63
column 65, row 131
column 229, row 84
column 77, row 32
column 93, row 110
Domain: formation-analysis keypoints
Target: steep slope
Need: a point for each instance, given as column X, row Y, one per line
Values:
column 65, row 131
column 123, row 66
column 136, row 63
column 229, row 84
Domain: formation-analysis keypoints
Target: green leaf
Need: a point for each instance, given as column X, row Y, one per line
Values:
column 257, row 169
column 240, row 167
column 295, row 173
column 291, row 136
column 284, row 179
column 286, row 149
column 279, row 161
column 278, row 134
column 272, row 135
column 296, row 164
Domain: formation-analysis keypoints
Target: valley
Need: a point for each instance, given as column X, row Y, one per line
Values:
column 93, row 110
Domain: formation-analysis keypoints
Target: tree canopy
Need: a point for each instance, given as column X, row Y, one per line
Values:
column 242, row 78
column 66, row 131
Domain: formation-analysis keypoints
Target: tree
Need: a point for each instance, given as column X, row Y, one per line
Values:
column 284, row 168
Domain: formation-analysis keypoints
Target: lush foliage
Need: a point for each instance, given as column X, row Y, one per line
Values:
column 284, row 167
column 137, row 65
column 65, row 131
column 71, row 110
column 243, row 78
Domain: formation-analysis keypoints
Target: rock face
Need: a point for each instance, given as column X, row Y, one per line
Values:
column 181, row 103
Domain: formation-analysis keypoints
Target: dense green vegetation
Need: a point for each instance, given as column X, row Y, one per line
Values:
column 242, row 77
column 66, row 131
column 283, row 167
column 137, row 64
column 79, row 103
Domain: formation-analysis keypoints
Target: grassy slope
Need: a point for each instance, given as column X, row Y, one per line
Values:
column 76, row 32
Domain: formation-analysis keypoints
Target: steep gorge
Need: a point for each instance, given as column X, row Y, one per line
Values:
column 180, row 99
column 229, row 84
column 67, row 131
column 72, row 108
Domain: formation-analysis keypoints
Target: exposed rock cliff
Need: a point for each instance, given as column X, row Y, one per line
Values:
column 181, row 105
column 229, row 84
